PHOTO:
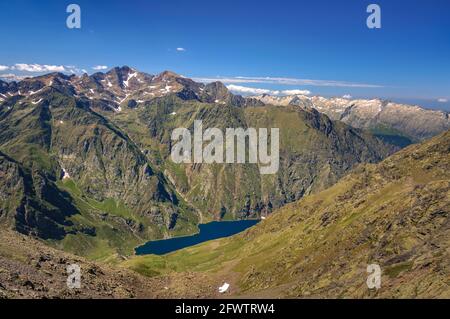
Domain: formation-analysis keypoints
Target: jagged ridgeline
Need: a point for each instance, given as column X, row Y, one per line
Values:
column 85, row 161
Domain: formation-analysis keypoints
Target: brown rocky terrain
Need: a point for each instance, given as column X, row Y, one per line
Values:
column 29, row 269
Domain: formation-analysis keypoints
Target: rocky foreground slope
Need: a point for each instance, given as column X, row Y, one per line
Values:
column 30, row 269
column 394, row 214
column 387, row 119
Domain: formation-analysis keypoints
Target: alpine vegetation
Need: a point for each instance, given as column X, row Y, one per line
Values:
column 235, row 147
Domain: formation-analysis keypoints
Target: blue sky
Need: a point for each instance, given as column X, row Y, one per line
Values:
column 242, row 42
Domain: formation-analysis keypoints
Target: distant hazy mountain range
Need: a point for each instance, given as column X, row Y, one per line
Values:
column 384, row 118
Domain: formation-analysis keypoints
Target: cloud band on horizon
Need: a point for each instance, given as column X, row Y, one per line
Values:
column 287, row 81
column 99, row 67
column 257, row 91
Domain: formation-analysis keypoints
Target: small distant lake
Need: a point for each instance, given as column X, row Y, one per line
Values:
column 210, row 231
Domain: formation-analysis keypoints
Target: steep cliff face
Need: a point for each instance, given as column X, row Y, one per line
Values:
column 32, row 203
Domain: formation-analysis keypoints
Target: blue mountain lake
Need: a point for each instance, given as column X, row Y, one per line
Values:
column 207, row 232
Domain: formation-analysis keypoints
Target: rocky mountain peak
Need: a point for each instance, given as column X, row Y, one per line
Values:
column 217, row 86
column 167, row 76
column 217, row 90
column 121, row 71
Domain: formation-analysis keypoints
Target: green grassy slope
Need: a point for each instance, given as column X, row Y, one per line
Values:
column 395, row 214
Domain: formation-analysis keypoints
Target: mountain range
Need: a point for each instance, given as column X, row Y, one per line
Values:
column 398, row 123
column 89, row 158
column 85, row 168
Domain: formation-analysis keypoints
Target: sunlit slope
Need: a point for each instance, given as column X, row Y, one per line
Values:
column 394, row 214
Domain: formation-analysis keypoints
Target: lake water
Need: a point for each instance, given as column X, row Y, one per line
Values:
column 208, row 231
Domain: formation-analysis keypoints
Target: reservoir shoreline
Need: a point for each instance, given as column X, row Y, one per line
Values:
column 209, row 231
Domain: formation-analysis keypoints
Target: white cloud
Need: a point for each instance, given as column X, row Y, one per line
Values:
column 247, row 90
column 181, row 49
column 257, row 91
column 347, row 96
column 11, row 77
column 38, row 67
column 72, row 69
column 442, row 100
column 286, row 81
column 296, row 92
column 100, row 67
column 20, row 70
